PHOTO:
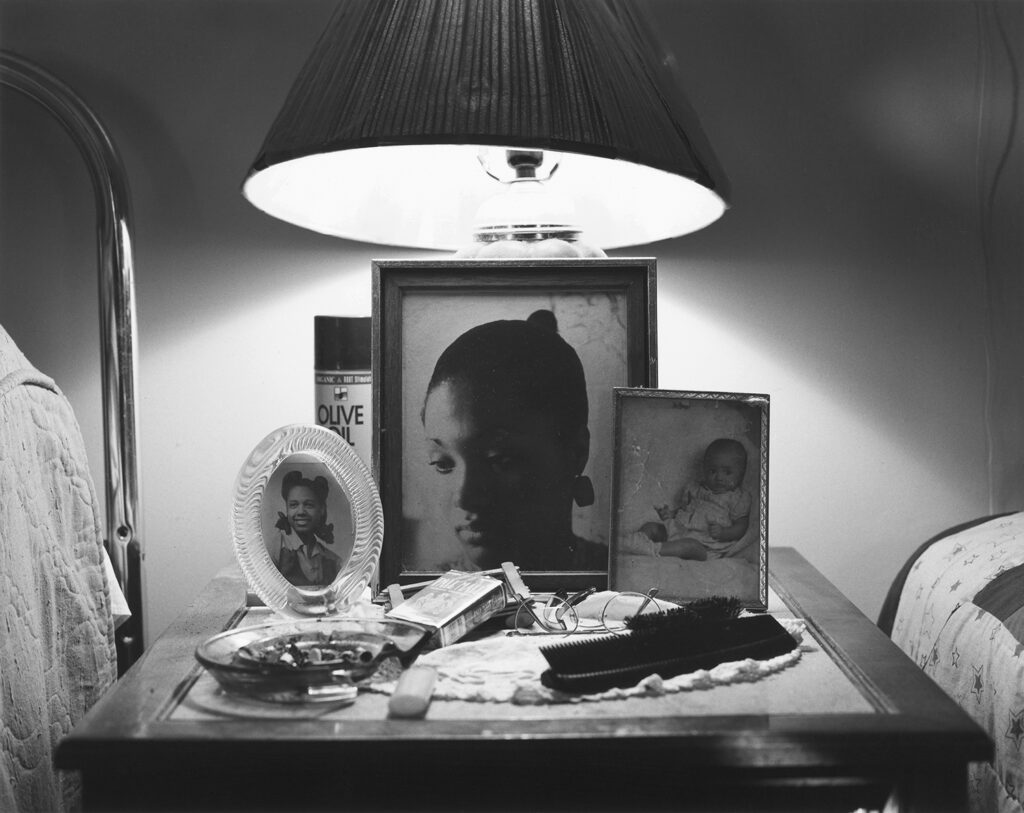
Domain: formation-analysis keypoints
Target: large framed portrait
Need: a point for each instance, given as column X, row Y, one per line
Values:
column 690, row 495
column 493, row 410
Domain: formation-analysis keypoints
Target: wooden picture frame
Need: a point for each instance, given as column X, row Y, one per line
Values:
column 690, row 495
column 605, row 311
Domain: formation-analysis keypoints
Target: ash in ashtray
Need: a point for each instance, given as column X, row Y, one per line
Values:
column 336, row 650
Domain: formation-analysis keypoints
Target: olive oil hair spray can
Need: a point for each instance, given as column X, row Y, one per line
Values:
column 343, row 380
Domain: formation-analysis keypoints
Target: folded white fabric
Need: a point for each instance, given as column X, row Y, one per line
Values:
column 119, row 608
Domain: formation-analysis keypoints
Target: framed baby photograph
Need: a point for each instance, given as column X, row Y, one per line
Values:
column 307, row 522
column 690, row 495
column 494, row 407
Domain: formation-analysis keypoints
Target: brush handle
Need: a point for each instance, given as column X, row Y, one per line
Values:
column 670, row 649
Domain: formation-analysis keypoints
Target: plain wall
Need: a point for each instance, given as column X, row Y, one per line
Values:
column 867, row 276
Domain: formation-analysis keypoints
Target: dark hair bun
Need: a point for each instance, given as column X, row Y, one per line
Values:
column 317, row 485
column 522, row 362
column 320, row 488
column 543, row 319
column 291, row 479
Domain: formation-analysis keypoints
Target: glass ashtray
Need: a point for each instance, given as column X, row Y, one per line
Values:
column 321, row 660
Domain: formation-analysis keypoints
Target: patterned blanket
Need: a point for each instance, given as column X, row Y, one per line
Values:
column 961, row 618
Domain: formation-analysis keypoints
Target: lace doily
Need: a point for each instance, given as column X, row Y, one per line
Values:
column 507, row 669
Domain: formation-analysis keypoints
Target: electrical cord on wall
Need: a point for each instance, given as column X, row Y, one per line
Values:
column 987, row 191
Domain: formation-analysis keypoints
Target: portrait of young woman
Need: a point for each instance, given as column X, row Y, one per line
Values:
column 307, row 524
column 505, row 415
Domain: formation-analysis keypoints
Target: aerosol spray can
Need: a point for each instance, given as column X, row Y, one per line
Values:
column 344, row 382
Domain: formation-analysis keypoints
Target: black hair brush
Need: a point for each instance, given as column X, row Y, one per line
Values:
column 698, row 635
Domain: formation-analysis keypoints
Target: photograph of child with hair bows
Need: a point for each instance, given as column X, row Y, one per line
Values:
column 308, row 531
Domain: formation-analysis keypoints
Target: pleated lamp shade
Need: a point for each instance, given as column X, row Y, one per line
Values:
column 380, row 138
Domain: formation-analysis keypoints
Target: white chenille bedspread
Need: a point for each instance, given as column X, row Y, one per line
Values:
column 56, row 633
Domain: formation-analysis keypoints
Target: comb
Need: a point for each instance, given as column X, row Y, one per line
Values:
column 668, row 644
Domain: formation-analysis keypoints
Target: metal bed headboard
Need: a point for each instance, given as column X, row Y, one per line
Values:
column 117, row 327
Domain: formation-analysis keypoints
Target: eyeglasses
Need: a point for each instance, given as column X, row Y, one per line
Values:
column 552, row 614
column 622, row 607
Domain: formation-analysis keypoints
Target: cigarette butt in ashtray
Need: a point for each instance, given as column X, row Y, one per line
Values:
column 411, row 697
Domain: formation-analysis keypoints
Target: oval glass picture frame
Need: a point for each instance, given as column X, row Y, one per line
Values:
column 310, row 453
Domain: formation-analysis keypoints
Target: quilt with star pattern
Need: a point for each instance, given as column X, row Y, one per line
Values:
column 961, row 618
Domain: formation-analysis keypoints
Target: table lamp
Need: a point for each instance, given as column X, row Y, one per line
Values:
column 491, row 127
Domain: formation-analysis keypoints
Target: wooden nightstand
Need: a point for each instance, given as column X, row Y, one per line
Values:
column 852, row 724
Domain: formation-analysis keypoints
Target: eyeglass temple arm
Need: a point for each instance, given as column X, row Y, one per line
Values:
column 648, row 598
column 573, row 600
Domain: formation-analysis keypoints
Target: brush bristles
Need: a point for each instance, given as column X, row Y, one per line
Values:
column 715, row 608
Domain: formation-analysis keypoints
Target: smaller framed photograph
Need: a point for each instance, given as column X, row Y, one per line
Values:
column 690, row 495
column 307, row 522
